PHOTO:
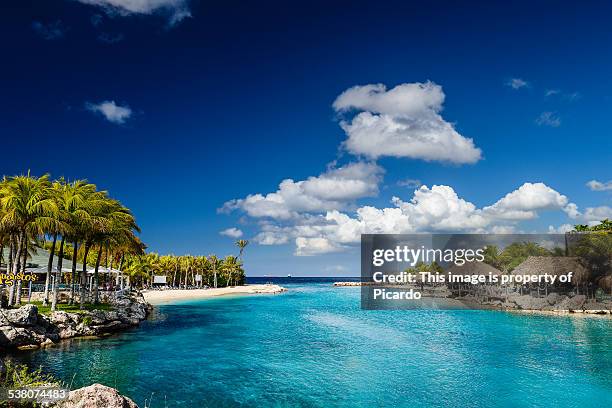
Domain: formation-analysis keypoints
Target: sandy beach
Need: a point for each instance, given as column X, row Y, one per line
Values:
column 168, row 296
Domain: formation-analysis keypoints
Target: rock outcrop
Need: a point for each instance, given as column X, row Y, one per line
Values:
column 96, row 396
column 554, row 302
column 25, row 328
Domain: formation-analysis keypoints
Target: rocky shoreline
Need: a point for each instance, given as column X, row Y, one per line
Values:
column 25, row 328
column 553, row 303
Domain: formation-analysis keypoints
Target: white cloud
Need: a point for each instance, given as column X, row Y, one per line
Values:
column 523, row 203
column 552, row 92
column 50, row 31
column 272, row 237
column 440, row 208
column 409, row 183
column 404, row 121
column 596, row 214
column 548, row 119
column 111, row 111
column 561, row 229
column 517, row 83
column 232, row 232
column 600, row 186
column 435, row 209
column 572, row 210
column 314, row 246
column 330, row 190
column 503, row 229
column 557, row 93
column 175, row 10
column 590, row 214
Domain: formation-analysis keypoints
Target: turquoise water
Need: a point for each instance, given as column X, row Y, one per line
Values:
column 314, row 347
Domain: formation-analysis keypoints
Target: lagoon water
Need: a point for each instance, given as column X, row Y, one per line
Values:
column 314, row 347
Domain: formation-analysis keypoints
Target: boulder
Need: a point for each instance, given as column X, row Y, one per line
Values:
column 527, row 302
column 96, row 396
column 553, row 298
column 25, row 316
column 111, row 327
column 67, row 332
column 59, row 317
column 573, row 303
column 12, row 336
column 24, row 327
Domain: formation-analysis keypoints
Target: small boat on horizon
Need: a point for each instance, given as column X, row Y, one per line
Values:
column 288, row 275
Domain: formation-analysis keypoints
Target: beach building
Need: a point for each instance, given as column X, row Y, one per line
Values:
column 556, row 266
column 38, row 261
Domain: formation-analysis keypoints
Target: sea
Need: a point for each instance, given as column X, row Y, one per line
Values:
column 313, row 346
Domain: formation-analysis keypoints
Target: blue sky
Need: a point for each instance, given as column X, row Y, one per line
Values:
column 179, row 107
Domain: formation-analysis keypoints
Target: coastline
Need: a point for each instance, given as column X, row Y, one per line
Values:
column 552, row 305
column 157, row 297
column 26, row 329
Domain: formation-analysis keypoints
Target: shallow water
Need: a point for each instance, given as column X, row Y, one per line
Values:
column 314, row 347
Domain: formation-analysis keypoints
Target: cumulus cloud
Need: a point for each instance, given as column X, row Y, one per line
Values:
column 232, row 232
column 590, row 214
column 50, row 31
column 404, row 121
column 523, row 203
column 599, row 186
column 174, row 10
column 435, row 209
column 330, row 190
column 273, row 235
column 596, row 214
column 548, row 119
column 314, row 246
column 517, row 83
column 111, row 111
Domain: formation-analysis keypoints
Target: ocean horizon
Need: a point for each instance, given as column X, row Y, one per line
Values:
column 314, row 347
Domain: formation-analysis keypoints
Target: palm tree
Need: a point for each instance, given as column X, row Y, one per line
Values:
column 115, row 224
column 241, row 244
column 214, row 264
column 29, row 210
column 140, row 267
column 492, row 256
column 70, row 202
column 231, row 266
column 60, row 228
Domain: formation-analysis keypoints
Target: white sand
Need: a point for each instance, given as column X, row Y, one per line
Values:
column 168, row 296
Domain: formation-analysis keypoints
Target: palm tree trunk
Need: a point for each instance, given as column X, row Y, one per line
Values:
column 23, row 268
column 9, row 268
column 83, row 291
column 58, row 274
column 96, row 294
column 74, row 268
column 49, row 268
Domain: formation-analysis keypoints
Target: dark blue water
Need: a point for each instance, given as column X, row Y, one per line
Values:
column 314, row 347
